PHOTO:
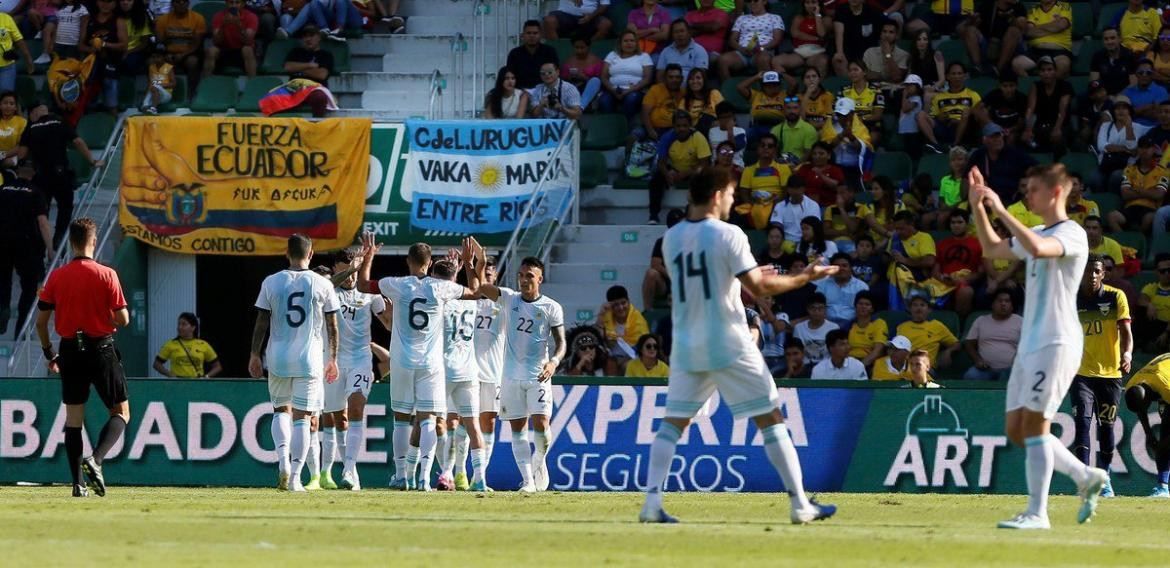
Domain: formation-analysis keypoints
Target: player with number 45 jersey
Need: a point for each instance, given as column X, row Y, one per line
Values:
column 530, row 321
column 417, row 382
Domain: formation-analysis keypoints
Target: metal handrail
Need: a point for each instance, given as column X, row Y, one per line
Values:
column 458, row 69
column 511, row 250
column 436, row 92
column 84, row 208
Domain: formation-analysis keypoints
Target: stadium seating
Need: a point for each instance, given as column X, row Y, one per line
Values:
column 896, row 165
column 95, row 129
column 731, row 95
column 602, row 47
column 80, row 166
column 208, row 9
column 1106, row 14
column 1160, row 244
column 26, row 91
column 216, row 94
column 893, row 318
column 1107, row 202
column 1082, row 163
column 1132, row 239
column 949, row 319
column 937, row 165
column 1140, row 279
column 603, row 131
column 593, row 169
column 179, row 93
column 255, row 90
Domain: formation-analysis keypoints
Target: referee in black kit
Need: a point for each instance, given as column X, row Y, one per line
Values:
column 88, row 300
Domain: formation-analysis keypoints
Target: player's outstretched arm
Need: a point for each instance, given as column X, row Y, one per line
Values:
column 255, row 368
column 370, row 248
column 483, row 289
column 469, row 258
column 761, row 281
column 1036, row 245
column 979, row 196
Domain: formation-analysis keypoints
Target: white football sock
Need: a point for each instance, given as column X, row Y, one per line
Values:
column 541, row 442
column 299, row 447
column 412, row 464
column 523, row 454
column 782, row 454
column 400, row 440
column 328, row 449
column 661, row 454
column 339, row 445
column 462, row 444
column 489, row 443
column 354, row 437
column 313, row 460
column 442, row 454
column 427, row 443
column 1065, row 462
column 1039, row 463
column 477, row 465
column 281, row 432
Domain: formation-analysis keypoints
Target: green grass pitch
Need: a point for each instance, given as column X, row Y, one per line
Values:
column 251, row 527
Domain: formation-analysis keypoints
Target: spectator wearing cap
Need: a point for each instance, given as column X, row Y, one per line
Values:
column 912, row 111
column 839, row 365
column 795, row 134
column 753, row 41
column 586, row 358
column 767, row 102
column 1139, row 25
column 656, row 281
column 1049, row 101
column 840, row 290
column 1143, row 187
column 1145, row 95
column 526, row 59
column 857, row 26
column 26, row 242
column 623, row 325
column 649, row 362
column 1004, row 20
column 795, row 207
column 849, row 138
column 1093, row 108
column 1113, row 65
column 762, row 181
column 952, row 110
column 679, row 159
column 796, row 365
column 1006, row 105
column 1002, row 165
column 683, row 51
column 929, row 334
column 992, row 340
column 1049, row 32
column 894, row 366
column 585, row 18
column 1117, row 142
column 886, row 63
column 920, row 371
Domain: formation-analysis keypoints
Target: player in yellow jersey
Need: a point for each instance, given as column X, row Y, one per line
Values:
column 1146, row 387
column 1096, row 389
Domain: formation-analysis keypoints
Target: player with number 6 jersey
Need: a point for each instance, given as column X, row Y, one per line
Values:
column 530, row 321
column 417, row 384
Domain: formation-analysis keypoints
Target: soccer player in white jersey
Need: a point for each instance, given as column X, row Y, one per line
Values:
column 292, row 306
column 343, row 424
column 489, row 355
column 1051, row 347
column 709, row 260
column 530, row 321
column 417, row 384
column 462, row 376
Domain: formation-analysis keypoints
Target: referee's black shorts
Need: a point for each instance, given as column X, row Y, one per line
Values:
column 1096, row 397
column 99, row 364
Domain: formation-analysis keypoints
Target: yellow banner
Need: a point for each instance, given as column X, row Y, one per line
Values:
column 242, row 186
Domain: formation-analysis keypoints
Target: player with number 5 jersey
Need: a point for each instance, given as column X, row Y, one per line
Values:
column 530, row 321
column 709, row 260
column 417, row 383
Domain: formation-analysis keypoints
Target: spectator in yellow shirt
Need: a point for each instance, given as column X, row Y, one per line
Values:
column 928, row 334
column 649, row 362
column 1139, row 26
column 1155, row 301
column 623, row 324
column 1143, row 187
column 1049, row 33
column 894, row 366
column 679, row 158
column 1078, row 207
column 660, row 104
column 867, row 335
column 187, row 356
column 1099, row 243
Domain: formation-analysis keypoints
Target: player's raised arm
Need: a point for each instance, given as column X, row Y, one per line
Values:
column 469, row 258
column 764, row 282
column 370, row 248
column 483, row 288
column 978, row 194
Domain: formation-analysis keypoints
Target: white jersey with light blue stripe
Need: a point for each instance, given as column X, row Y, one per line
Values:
column 1050, row 299
column 528, row 330
column 489, row 339
column 416, row 340
column 705, row 259
column 353, row 322
column 297, row 301
column 459, row 340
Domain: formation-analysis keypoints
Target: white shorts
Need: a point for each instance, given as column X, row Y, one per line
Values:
column 1040, row 379
column 745, row 386
column 489, row 397
column 302, row 393
column 418, row 390
column 521, row 399
column 351, row 380
column 463, row 398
